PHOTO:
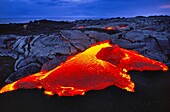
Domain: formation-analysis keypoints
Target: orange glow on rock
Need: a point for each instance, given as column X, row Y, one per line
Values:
column 80, row 27
column 121, row 27
column 115, row 27
column 109, row 28
column 96, row 68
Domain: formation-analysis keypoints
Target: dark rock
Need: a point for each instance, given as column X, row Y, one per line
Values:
column 19, row 59
column 156, row 56
column 76, row 38
column 24, row 71
column 163, row 41
column 53, row 63
column 97, row 36
column 7, row 41
column 49, row 46
column 161, row 38
column 6, row 68
column 24, row 62
column 152, row 44
column 78, row 46
column 42, row 59
column 8, row 52
column 73, row 50
column 2, row 42
column 35, row 28
column 129, row 40
column 134, row 36
column 127, row 44
column 20, row 44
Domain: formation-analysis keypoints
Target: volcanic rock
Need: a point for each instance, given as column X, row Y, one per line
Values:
column 43, row 45
column 24, row 62
column 8, row 53
column 35, row 27
column 134, row 36
column 77, row 39
column 24, row 71
column 51, row 64
column 6, row 68
column 97, row 35
column 49, row 46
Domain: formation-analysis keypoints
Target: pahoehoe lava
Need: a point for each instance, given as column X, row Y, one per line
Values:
column 96, row 68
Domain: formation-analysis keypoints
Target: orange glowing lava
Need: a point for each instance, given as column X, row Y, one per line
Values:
column 96, row 68
column 115, row 27
column 109, row 28
column 80, row 27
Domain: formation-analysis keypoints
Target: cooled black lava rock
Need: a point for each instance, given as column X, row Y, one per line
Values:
column 24, row 71
column 6, row 68
column 35, row 28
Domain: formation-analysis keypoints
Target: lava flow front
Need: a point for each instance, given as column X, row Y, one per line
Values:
column 96, row 68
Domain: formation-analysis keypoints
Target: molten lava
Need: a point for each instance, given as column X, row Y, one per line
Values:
column 96, row 68
column 109, row 28
column 80, row 27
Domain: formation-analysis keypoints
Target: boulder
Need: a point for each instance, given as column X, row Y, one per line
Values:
column 24, row 71
column 97, row 35
column 76, row 38
column 8, row 52
column 20, row 44
column 51, row 64
column 161, row 38
column 134, row 36
column 24, row 62
column 150, row 44
column 49, row 46
column 128, row 40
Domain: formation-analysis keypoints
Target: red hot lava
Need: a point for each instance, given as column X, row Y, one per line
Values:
column 96, row 68
column 80, row 27
column 110, row 28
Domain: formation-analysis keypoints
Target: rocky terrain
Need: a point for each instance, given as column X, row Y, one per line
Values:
column 43, row 45
column 28, row 48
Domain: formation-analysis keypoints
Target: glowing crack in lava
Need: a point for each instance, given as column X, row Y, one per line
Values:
column 96, row 68
column 110, row 28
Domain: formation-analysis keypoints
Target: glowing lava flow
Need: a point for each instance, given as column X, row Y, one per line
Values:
column 96, row 68
column 129, row 60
